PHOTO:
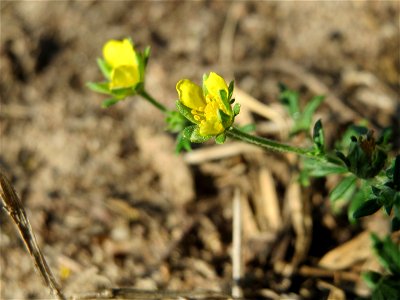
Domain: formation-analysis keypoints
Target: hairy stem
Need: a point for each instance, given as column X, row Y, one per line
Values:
column 153, row 101
column 268, row 144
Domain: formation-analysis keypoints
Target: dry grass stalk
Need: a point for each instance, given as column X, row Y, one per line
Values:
column 15, row 209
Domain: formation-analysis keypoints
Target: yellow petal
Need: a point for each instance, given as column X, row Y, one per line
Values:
column 211, row 125
column 190, row 94
column 210, row 128
column 119, row 53
column 123, row 77
column 213, row 84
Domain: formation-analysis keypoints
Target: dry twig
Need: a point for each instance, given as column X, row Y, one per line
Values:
column 13, row 205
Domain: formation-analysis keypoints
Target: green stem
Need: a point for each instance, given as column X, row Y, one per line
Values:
column 269, row 144
column 153, row 101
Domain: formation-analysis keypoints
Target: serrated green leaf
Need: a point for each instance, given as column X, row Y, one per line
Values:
column 185, row 111
column 367, row 208
column 109, row 102
column 99, row 87
column 342, row 187
column 188, row 131
column 104, row 68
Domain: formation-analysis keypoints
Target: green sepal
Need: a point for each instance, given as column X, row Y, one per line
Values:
column 343, row 158
column 367, row 208
column 365, row 159
column 146, row 55
column 176, row 121
column 236, row 109
column 182, row 143
column 99, row 87
column 220, row 138
column 342, row 187
column 185, row 111
column 385, row 137
column 138, row 88
column 141, row 66
column 122, row 93
column 224, row 97
column 319, row 138
column 109, row 102
column 225, row 119
column 192, row 133
column 104, row 68
column 230, row 89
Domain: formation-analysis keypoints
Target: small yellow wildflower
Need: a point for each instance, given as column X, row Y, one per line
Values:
column 123, row 60
column 209, row 106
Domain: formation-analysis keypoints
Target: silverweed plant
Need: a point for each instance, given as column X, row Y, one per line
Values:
column 370, row 176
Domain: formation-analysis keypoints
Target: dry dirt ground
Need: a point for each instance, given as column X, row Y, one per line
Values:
column 110, row 202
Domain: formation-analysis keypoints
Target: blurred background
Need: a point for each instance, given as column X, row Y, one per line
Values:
column 113, row 205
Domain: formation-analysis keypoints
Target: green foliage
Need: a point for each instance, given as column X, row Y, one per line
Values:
column 319, row 138
column 302, row 118
column 365, row 158
column 192, row 134
column 346, row 184
column 385, row 286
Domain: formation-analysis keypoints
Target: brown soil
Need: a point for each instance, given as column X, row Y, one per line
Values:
column 110, row 202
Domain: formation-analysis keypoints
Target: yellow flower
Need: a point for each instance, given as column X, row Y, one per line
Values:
column 123, row 60
column 209, row 106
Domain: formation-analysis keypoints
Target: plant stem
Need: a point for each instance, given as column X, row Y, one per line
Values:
column 269, row 144
column 153, row 101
